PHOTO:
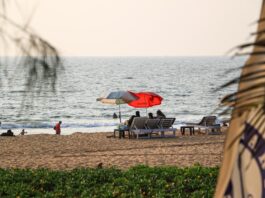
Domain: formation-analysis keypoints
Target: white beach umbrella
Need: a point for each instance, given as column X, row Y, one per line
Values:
column 118, row 98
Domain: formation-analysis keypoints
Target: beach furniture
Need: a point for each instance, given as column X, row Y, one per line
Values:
column 145, row 127
column 138, row 127
column 183, row 128
column 166, row 123
column 121, row 133
column 208, row 124
column 152, row 123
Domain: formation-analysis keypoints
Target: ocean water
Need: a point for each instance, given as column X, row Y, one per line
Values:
column 187, row 85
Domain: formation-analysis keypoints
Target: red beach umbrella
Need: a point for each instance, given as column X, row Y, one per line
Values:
column 145, row 100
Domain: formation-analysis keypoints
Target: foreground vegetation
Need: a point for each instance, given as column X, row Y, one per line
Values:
column 139, row 181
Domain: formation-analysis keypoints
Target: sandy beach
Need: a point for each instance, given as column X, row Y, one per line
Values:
column 90, row 149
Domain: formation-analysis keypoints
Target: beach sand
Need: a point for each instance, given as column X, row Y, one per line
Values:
column 90, row 149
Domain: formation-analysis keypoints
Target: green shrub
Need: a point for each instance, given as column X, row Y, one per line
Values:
column 139, row 181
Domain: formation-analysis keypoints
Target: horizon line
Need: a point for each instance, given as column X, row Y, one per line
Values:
column 153, row 56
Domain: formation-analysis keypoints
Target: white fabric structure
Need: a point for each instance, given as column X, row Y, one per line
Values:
column 118, row 98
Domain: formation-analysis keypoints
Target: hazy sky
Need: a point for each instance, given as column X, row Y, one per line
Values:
column 141, row 27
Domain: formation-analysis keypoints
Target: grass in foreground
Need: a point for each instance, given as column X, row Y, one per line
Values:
column 139, row 181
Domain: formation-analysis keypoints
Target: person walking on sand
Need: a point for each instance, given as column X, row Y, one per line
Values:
column 57, row 128
column 23, row 132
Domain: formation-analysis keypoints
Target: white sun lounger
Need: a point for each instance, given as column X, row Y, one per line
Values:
column 208, row 123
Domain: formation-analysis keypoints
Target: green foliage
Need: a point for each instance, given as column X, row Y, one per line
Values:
column 139, row 181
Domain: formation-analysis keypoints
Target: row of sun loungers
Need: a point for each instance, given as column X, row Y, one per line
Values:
column 145, row 127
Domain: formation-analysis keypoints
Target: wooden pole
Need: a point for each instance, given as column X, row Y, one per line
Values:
column 120, row 112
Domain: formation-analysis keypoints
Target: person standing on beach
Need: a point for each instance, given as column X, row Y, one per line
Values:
column 57, row 128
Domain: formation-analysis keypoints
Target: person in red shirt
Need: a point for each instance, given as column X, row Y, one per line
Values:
column 57, row 128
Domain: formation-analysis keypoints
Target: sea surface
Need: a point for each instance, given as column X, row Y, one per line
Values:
column 187, row 85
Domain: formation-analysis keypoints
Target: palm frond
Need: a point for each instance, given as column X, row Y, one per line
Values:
column 256, row 64
column 251, row 92
column 38, row 57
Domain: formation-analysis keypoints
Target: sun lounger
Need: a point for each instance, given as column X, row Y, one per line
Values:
column 138, row 127
column 152, row 123
column 166, row 125
column 208, row 123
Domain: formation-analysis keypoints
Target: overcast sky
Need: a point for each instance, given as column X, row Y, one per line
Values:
column 141, row 27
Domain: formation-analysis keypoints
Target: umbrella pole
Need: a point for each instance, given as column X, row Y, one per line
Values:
column 120, row 112
column 146, row 105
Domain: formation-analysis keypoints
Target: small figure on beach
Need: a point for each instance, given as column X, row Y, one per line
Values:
column 137, row 114
column 23, row 132
column 8, row 133
column 115, row 116
column 150, row 115
column 57, row 128
column 160, row 114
